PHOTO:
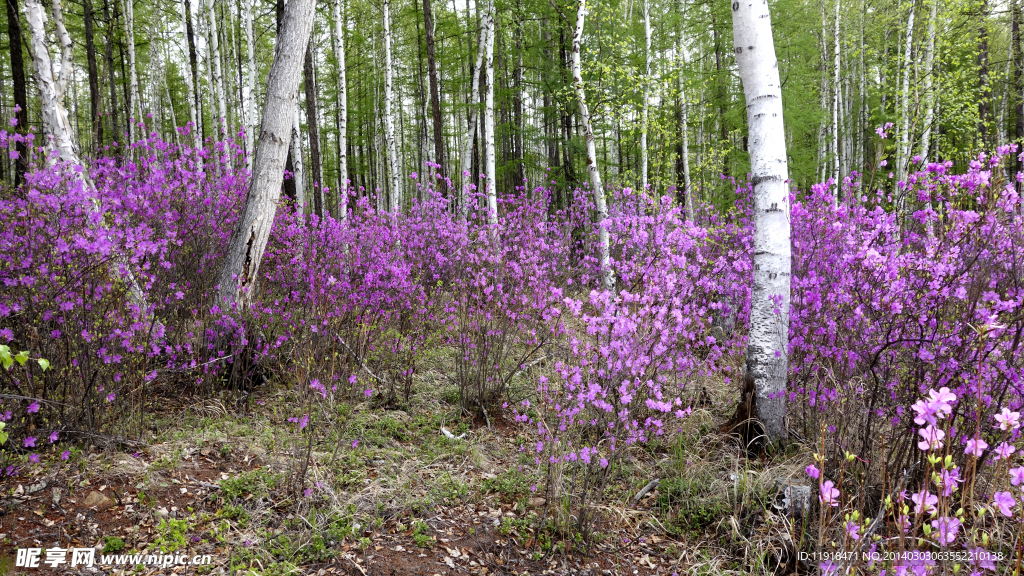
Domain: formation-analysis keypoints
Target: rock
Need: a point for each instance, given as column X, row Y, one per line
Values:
column 796, row 500
column 98, row 501
column 56, row 492
column 536, row 502
column 38, row 486
column 161, row 513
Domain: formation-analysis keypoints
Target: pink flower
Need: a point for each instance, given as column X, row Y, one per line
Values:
column 1008, row 420
column 945, row 529
column 33, row 458
column 852, row 530
column 812, row 471
column 1004, row 450
column 924, row 502
column 829, row 494
column 1017, row 475
column 932, row 438
column 1004, row 502
column 30, row 442
column 53, row 436
column 65, row 454
column 975, row 447
column 32, row 408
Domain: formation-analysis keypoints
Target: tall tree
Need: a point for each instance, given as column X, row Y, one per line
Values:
column 435, row 90
column 249, row 86
column 490, row 168
column 767, row 356
column 395, row 190
column 94, row 85
column 467, row 153
column 315, row 177
column 597, row 189
column 645, row 112
column 20, row 95
column 195, row 107
column 239, row 271
column 135, row 107
column 684, row 141
column 341, row 117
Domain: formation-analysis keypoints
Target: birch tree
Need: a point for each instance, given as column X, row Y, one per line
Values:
column 903, row 152
column 249, row 86
column 490, row 169
column 218, row 73
column 769, row 331
column 645, row 113
column 389, row 112
column 342, row 102
column 467, row 153
column 836, row 94
column 238, row 274
column 135, row 107
column 600, row 206
column 684, row 149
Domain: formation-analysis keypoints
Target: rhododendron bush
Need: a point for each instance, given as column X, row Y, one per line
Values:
column 904, row 334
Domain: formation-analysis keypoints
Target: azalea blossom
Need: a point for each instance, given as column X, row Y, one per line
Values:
column 924, row 502
column 1008, row 420
column 945, row 530
column 1004, row 502
column 975, row 447
column 829, row 494
column 932, row 438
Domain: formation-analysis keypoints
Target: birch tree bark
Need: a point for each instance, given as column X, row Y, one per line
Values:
column 298, row 174
column 342, row 103
column 249, row 87
column 645, row 112
column 249, row 239
column 929, row 87
column 135, row 110
column 313, row 129
column 218, row 73
column 490, row 169
column 467, row 153
column 836, row 92
column 389, row 111
column 600, row 206
column 903, row 152
column 767, row 357
column 94, row 84
column 20, row 93
column 193, row 75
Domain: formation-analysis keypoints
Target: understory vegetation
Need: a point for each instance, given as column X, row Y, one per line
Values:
column 412, row 373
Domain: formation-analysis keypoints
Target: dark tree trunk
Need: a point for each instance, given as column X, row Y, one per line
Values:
column 193, row 63
column 94, row 84
column 1018, row 77
column 517, row 103
column 124, row 71
column 568, row 165
column 18, row 76
column 108, row 54
column 315, row 176
column 435, row 89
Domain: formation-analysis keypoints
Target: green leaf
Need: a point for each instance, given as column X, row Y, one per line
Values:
column 7, row 361
column 22, row 357
column 44, row 364
column 3, row 435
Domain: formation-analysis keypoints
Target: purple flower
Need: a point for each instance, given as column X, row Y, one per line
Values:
column 932, row 438
column 945, row 530
column 1004, row 502
column 33, row 458
column 30, row 442
column 975, row 447
column 812, row 471
column 853, row 530
column 1004, row 450
column 829, row 494
column 924, row 502
column 65, row 455
column 53, row 436
column 1008, row 420
column 1017, row 475
column 33, row 407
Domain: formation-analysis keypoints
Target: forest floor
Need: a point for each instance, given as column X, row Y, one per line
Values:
column 390, row 494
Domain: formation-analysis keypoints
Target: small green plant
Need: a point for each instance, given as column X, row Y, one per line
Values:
column 420, row 535
column 171, row 535
column 112, row 545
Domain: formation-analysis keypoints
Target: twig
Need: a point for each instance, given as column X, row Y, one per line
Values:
column 643, row 491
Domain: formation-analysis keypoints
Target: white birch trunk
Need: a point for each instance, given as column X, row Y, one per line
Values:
column 823, row 100
column 467, row 153
column 769, row 332
column 342, row 103
column 58, row 127
column 238, row 274
column 836, row 91
column 298, row 175
column 600, row 206
column 645, row 112
column 903, row 153
column 929, row 87
column 218, row 74
column 490, row 170
column 249, row 87
column 389, row 111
